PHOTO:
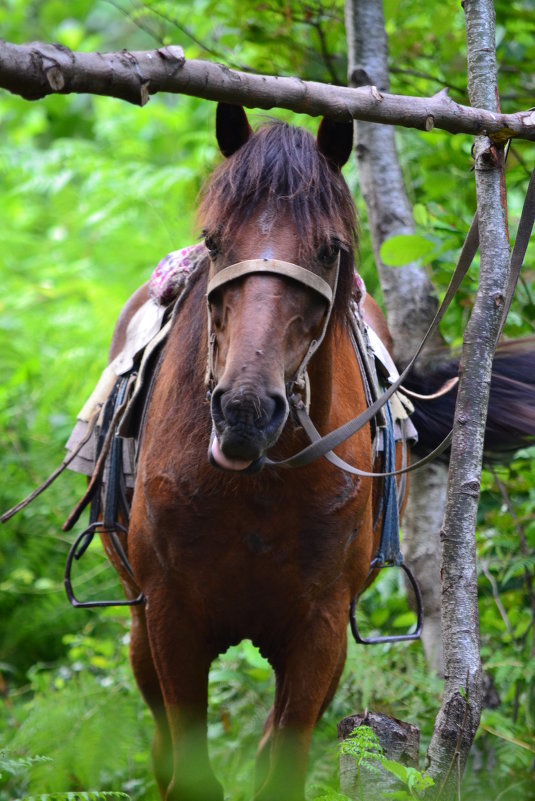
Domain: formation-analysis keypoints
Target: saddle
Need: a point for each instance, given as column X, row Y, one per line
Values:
column 135, row 367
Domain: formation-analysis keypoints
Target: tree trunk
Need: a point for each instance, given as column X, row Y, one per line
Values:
column 458, row 719
column 400, row 742
column 408, row 295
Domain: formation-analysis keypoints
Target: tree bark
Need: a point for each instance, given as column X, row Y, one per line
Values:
column 400, row 742
column 459, row 716
column 36, row 70
column 408, row 294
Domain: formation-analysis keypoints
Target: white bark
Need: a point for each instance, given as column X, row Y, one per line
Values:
column 458, row 718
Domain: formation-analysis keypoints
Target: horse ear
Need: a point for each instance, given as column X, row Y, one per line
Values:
column 335, row 141
column 232, row 128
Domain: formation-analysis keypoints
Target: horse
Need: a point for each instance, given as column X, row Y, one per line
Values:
column 228, row 546
column 223, row 552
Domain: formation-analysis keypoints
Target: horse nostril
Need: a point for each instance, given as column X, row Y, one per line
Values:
column 215, row 406
column 230, row 409
column 278, row 411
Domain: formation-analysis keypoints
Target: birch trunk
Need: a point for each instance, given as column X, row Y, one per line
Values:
column 459, row 716
column 408, row 296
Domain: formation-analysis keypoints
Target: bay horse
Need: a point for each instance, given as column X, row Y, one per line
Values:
column 227, row 554
column 231, row 547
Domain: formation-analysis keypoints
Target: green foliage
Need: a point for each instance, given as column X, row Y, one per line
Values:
column 415, row 781
column 400, row 250
column 363, row 746
column 94, row 193
column 77, row 797
column 17, row 765
column 100, row 724
column 365, row 749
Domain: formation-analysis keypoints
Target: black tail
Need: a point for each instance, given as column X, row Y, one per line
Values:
column 511, row 415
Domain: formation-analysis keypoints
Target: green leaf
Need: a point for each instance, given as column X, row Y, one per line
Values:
column 404, row 249
column 419, row 212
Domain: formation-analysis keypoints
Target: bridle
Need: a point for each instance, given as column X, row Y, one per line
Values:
column 302, row 276
column 298, row 388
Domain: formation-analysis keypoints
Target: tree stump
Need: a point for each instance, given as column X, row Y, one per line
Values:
column 399, row 740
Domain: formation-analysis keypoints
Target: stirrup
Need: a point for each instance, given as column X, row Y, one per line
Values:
column 414, row 635
column 77, row 550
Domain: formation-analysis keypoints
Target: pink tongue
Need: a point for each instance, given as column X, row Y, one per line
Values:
column 227, row 464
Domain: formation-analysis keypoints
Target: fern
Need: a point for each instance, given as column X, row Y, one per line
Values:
column 17, row 765
column 82, row 757
column 363, row 745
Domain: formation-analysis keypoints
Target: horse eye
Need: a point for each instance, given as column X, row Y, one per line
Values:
column 328, row 253
column 212, row 246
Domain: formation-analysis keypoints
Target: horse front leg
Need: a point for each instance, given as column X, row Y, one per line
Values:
column 307, row 676
column 143, row 667
column 182, row 662
column 149, row 686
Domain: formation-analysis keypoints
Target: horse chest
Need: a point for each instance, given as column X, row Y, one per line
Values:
column 253, row 534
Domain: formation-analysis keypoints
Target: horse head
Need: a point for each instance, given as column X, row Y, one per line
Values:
column 279, row 226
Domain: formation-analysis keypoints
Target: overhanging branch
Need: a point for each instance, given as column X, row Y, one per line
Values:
column 35, row 70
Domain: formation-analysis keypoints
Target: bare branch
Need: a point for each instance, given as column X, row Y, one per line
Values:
column 326, row 56
column 36, row 70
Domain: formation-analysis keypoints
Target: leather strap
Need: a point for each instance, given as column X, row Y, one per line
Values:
column 275, row 266
column 314, row 437
column 523, row 235
column 323, row 445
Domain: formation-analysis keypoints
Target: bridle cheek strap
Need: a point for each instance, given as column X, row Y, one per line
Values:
column 280, row 268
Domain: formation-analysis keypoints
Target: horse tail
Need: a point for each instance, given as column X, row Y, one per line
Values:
column 511, row 412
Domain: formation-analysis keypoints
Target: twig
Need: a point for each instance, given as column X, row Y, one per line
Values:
column 496, row 596
column 461, row 90
column 145, row 28
column 327, row 57
column 528, row 575
column 186, row 31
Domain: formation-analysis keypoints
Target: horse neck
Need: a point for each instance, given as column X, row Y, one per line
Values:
column 336, row 389
column 186, row 353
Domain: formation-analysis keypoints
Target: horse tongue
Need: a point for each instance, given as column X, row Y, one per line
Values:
column 227, row 464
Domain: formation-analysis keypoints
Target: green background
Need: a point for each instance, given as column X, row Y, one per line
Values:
column 94, row 193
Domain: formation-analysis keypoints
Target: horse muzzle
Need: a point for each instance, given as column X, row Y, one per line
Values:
column 245, row 426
